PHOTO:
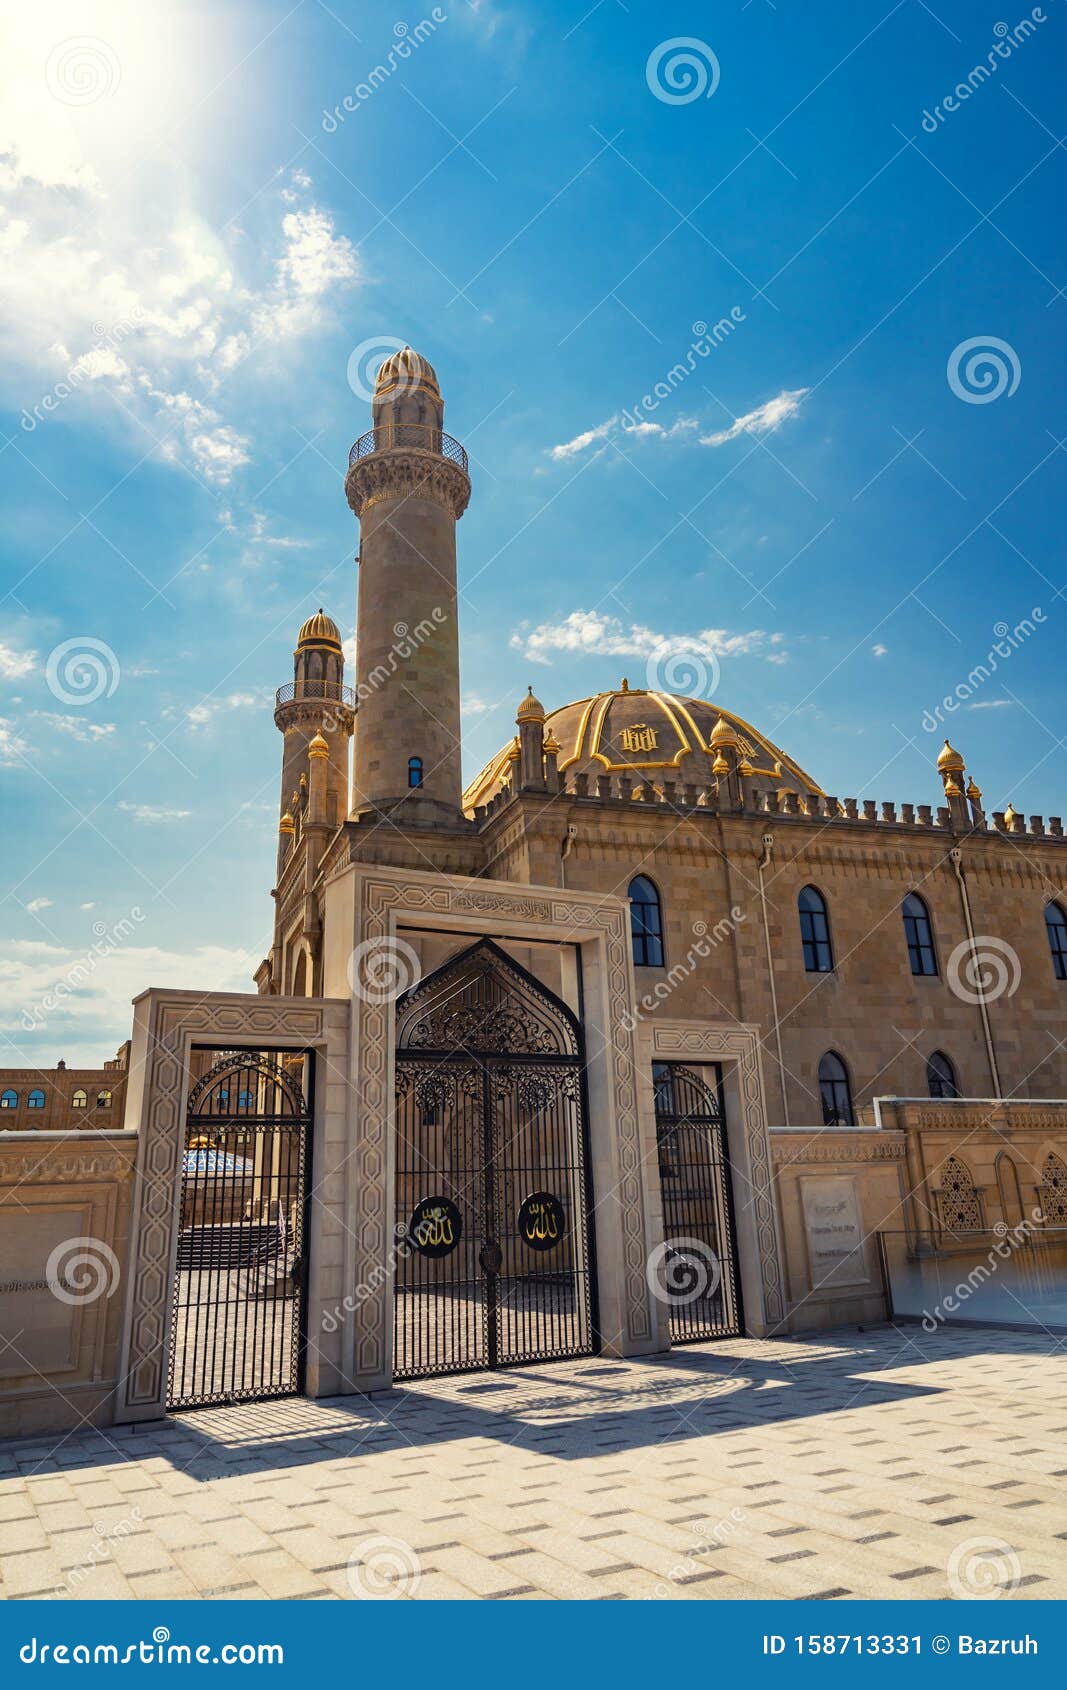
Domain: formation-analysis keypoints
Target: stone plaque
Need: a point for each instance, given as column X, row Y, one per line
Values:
column 834, row 1226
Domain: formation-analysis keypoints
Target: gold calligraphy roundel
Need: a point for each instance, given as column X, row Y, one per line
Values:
column 541, row 1221
column 436, row 1227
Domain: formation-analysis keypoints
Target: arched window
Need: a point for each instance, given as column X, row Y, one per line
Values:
column 1056, row 927
column 1052, row 1192
column 414, row 771
column 103, row 1100
column 646, row 923
column 836, row 1092
column 815, row 931
column 245, row 1100
column 958, row 1203
column 35, row 1100
column 9, row 1099
column 79, row 1100
column 941, row 1076
column 919, row 934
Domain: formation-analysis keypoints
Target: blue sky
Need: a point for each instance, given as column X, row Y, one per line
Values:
column 191, row 250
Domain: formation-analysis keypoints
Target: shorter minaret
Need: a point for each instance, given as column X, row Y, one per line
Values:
column 317, row 705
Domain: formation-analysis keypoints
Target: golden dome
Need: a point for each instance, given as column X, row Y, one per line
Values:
column 974, row 791
column 319, row 747
column 286, row 823
column 552, row 745
column 720, row 765
column 531, row 709
column 650, row 736
column 950, row 761
column 319, row 629
column 406, row 370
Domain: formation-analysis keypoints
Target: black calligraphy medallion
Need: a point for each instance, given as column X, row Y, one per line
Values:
column 541, row 1221
column 436, row 1227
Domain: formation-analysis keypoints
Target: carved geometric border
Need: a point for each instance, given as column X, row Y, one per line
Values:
column 166, row 1025
column 739, row 1045
column 386, row 898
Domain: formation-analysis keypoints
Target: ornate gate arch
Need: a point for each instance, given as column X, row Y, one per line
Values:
column 492, row 1185
column 698, row 1267
column 241, row 1263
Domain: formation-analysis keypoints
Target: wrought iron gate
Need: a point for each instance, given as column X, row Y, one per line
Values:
column 698, row 1269
column 239, row 1284
column 492, row 1215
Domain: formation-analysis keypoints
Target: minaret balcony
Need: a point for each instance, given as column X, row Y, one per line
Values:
column 416, row 437
column 332, row 691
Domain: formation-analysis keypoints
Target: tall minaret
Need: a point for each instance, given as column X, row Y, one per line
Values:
column 408, row 485
column 317, row 702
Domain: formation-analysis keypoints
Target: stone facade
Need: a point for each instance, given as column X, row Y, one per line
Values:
column 63, row 1099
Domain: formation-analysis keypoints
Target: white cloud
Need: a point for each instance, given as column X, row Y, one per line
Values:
column 473, row 705
column 615, row 428
column 199, row 715
column 762, row 420
column 153, row 812
column 991, row 704
column 87, row 906
column 879, row 650
column 57, row 1000
column 595, row 635
column 36, row 904
column 76, row 727
column 15, row 664
column 13, row 748
column 117, row 291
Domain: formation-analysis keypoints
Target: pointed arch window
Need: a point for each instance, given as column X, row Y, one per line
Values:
column 79, row 1100
column 958, row 1202
column 9, row 1099
column 941, row 1076
column 414, row 771
column 815, row 931
column 103, row 1100
column 919, row 935
column 836, row 1092
column 1056, row 928
column 1052, row 1192
column 646, row 923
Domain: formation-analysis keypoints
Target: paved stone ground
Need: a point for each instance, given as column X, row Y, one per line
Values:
column 888, row 1463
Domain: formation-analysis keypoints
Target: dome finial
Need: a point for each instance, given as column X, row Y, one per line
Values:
column 531, row 709
column 950, row 761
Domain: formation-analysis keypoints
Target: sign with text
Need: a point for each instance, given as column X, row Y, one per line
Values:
column 834, row 1227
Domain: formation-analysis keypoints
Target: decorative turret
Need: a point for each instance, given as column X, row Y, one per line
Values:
column 317, row 705
column 530, row 721
column 952, row 768
column 408, row 485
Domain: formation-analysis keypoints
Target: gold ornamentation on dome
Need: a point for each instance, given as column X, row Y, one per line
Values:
column 286, row 823
column 318, row 748
column 745, row 768
column 531, row 709
column 720, row 765
column 723, row 733
column 950, row 761
column 638, row 738
column 552, row 746
column 952, row 788
column 974, row 792
column 1010, row 814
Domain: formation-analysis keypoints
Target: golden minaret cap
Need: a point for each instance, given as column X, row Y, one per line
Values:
column 531, row 709
column 407, row 370
column 318, row 747
column 319, row 629
column 723, row 734
column 950, row 761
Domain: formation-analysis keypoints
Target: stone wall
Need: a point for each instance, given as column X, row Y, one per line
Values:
column 65, row 1206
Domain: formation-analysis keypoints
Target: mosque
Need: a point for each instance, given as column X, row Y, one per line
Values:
column 647, row 1037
